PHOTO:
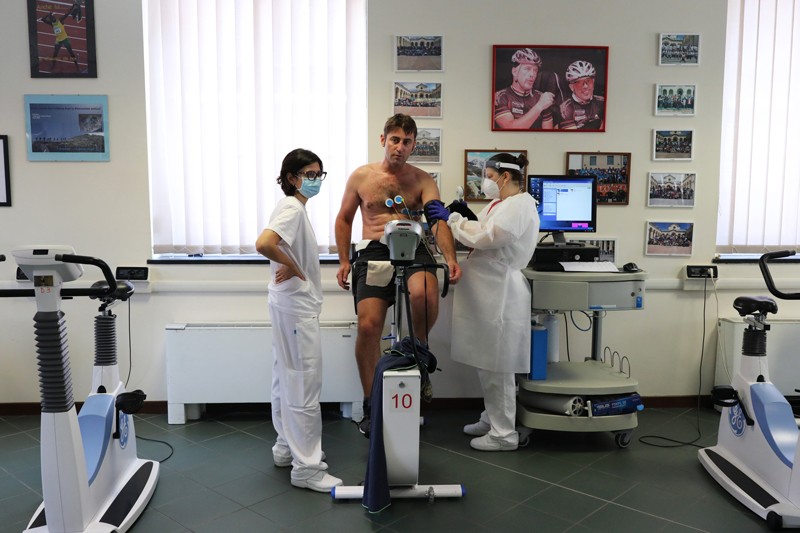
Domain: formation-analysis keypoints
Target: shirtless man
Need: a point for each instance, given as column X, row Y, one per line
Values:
column 367, row 188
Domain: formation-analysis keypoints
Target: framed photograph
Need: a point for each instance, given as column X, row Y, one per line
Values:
column 675, row 100
column 474, row 165
column 533, row 87
column 5, row 174
column 418, row 53
column 608, row 248
column 429, row 146
column 678, row 49
column 669, row 238
column 418, row 99
column 613, row 172
column 674, row 189
column 673, row 145
column 66, row 127
column 61, row 39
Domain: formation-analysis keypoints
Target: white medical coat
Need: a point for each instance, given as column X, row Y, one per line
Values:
column 492, row 302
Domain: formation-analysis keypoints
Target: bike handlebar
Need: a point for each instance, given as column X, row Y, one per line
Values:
column 72, row 258
column 762, row 264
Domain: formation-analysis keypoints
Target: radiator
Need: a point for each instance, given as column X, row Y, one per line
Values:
column 783, row 354
column 232, row 363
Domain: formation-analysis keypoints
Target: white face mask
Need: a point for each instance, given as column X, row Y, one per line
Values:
column 490, row 189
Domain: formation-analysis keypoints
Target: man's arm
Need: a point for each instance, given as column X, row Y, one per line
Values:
column 507, row 121
column 344, row 228
column 443, row 235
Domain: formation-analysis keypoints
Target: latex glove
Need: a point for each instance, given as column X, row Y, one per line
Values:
column 435, row 210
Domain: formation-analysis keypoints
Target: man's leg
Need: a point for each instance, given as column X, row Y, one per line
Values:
column 423, row 290
column 371, row 320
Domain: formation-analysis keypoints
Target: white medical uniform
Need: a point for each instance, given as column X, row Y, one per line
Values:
column 294, row 307
column 492, row 303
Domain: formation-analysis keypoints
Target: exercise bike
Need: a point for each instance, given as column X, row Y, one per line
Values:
column 92, row 478
column 757, row 456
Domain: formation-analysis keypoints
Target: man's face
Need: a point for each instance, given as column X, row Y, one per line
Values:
column 397, row 145
column 524, row 77
column 583, row 88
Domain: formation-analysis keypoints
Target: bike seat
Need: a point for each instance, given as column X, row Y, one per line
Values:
column 750, row 305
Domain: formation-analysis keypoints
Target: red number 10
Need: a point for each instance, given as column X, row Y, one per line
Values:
column 405, row 401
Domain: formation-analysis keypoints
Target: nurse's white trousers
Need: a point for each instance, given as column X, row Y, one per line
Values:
column 500, row 401
column 296, row 387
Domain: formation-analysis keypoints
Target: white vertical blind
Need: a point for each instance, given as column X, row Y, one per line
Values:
column 760, row 161
column 232, row 87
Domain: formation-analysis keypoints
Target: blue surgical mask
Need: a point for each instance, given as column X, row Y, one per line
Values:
column 310, row 188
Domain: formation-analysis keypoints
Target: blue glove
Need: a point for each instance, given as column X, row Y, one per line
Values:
column 435, row 210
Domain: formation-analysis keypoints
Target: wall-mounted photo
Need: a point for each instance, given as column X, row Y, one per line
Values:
column 5, row 175
column 429, row 146
column 675, row 100
column 669, row 238
column 418, row 99
column 673, row 189
column 612, row 170
column 474, row 166
column 673, row 145
column 418, row 53
column 66, row 127
column 61, row 39
column 607, row 248
column 678, row 49
column 544, row 88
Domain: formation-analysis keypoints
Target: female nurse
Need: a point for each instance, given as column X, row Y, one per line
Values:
column 295, row 302
column 492, row 304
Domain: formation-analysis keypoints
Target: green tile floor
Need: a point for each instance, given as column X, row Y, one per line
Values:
column 221, row 479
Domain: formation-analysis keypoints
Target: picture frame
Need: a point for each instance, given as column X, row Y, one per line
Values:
column 61, row 39
column 673, row 145
column 418, row 53
column 613, row 171
column 5, row 173
column 418, row 99
column 474, row 165
column 675, row 100
column 678, row 49
column 587, row 69
column 669, row 238
column 428, row 148
column 66, row 127
column 671, row 189
column 607, row 247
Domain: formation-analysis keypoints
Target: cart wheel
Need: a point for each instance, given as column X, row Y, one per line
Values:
column 623, row 439
column 774, row 521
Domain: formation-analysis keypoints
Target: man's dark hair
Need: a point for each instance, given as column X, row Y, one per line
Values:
column 293, row 163
column 404, row 122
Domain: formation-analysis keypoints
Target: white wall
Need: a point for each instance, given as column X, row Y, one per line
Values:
column 102, row 209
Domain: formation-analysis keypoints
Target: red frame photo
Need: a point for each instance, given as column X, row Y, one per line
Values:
column 576, row 106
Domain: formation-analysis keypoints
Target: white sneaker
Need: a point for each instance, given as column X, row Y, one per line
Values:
column 478, row 429
column 282, row 461
column 320, row 482
column 487, row 443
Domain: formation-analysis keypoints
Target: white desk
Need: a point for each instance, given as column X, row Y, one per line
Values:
column 596, row 292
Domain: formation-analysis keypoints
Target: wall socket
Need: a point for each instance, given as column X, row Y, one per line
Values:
column 702, row 271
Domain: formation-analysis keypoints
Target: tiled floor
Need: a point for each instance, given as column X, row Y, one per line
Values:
column 221, row 479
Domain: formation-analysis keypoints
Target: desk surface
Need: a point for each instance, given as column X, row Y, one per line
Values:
column 540, row 275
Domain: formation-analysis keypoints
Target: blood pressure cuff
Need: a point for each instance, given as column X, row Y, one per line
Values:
column 429, row 216
column 462, row 209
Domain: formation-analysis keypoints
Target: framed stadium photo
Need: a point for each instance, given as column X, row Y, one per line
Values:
column 613, row 172
column 549, row 88
column 61, row 39
column 418, row 53
column 474, row 165
column 66, row 127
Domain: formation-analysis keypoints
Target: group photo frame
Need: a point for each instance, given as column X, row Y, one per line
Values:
column 61, row 39
column 671, row 189
column 611, row 169
column 678, row 49
column 66, row 127
column 474, row 166
column 428, row 147
column 669, row 238
column 675, row 100
column 418, row 99
column 418, row 53
column 533, row 87
column 673, row 145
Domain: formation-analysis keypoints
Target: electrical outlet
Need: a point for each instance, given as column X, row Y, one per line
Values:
column 702, row 271
column 132, row 273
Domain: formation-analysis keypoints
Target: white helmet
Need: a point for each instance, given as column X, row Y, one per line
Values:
column 526, row 56
column 580, row 69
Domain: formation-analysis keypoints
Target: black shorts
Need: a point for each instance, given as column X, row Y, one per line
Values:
column 376, row 251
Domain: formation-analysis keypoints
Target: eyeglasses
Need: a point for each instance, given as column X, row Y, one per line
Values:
column 312, row 175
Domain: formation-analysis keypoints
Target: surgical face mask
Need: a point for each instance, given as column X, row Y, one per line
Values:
column 490, row 188
column 310, row 188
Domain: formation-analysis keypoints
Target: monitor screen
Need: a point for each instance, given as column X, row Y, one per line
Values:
column 565, row 204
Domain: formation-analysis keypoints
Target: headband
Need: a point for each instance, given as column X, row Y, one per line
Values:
column 500, row 164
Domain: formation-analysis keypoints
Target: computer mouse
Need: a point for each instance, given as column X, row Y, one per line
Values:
column 630, row 267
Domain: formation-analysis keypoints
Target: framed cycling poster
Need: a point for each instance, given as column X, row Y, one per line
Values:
column 61, row 39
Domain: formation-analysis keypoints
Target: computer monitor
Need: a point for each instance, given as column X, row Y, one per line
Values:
column 565, row 204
